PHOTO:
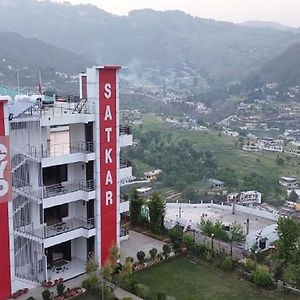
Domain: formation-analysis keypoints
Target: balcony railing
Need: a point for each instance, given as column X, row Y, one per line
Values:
column 125, row 129
column 67, row 148
column 124, row 198
column 61, row 189
column 125, row 163
column 68, row 225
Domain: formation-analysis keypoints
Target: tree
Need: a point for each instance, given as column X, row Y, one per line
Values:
column 114, row 255
column 157, row 210
column 288, row 243
column 135, row 207
column 293, row 196
column 237, row 233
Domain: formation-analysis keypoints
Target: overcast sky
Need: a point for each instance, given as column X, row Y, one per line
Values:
column 284, row 11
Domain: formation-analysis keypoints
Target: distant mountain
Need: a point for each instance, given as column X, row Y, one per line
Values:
column 27, row 56
column 164, row 45
column 270, row 25
column 284, row 69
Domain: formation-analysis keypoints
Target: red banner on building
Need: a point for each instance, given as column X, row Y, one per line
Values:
column 108, row 160
column 5, row 170
column 5, row 284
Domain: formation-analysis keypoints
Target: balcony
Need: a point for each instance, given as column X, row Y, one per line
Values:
column 124, row 234
column 67, row 153
column 124, row 203
column 125, row 130
column 125, row 169
column 69, row 229
column 63, row 193
column 69, row 225
column 125, row 136
column 66, row 112
column 64, row 149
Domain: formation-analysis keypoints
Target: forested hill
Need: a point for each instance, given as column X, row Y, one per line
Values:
column 27, row 56
column 163, row 41
column 284, row 69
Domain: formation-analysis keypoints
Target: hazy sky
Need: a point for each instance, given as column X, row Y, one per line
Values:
column 284, row 11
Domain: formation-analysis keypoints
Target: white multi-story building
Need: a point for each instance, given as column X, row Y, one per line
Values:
column 60, row 187
column 245, row 198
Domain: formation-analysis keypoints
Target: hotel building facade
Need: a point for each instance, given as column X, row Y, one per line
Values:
column 61, row 173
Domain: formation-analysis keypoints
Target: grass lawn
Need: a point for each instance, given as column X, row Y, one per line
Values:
column 186, row 281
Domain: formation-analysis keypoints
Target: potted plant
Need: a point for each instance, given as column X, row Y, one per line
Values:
column 25, row 290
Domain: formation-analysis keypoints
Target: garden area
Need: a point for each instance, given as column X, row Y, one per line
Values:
column 185, row 280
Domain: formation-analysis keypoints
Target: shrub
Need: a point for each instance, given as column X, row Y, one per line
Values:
column 161, row 296
column 129, row 259
column 177, row 246
column 91, row 283
column 141, row 290
column 91, row 265
column 227, row 263
column 262, row 277
column 250, row 264
column 46, row 295
column 30, row 298
column 141, row 256
column 189, row 242
column 166, row 250
column 60, row 289
column 153, row 253
column 176, row 233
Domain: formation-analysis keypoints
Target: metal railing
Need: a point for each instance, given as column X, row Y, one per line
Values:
column 65, row 188
column 64, row 108
column 68, row 225
column 67, row 148
column 125, row 163
column 125, row 129
column 29, row 230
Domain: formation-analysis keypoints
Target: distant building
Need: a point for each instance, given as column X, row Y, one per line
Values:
column 152, row 175
column 244, row 198
column 289, row 182
column 216, row 184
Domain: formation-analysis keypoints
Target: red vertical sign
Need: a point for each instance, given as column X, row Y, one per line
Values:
column 108, row 157
column 5, row 289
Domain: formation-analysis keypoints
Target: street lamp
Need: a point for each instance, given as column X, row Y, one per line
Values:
column 212, row 244
column 255, row 252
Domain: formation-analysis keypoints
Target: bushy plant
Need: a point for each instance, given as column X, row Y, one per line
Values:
column 141, row 290
column 60, row 289
column 262, row 277
column 188, row 242
column 227, row 263
column 46, row 295
column 250, row 264
column 176, row 233
column 141, row 256
column 31, row 298
column 153, row 253
column 177, row 246
column 91, row 265
column 91, row 283
column 166, row 250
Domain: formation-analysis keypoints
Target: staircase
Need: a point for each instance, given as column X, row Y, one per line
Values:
column 79, row 107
